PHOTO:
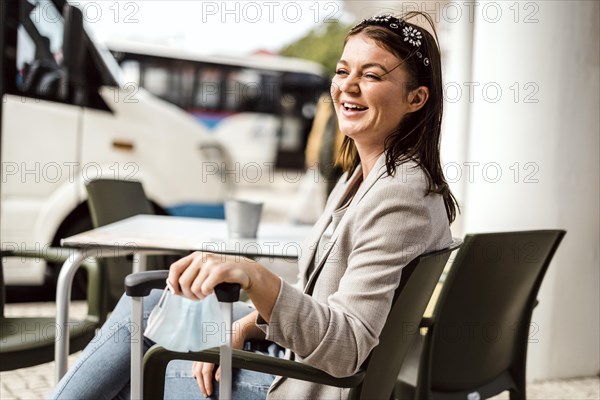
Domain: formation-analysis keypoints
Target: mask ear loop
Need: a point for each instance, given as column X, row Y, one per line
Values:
column 166, row 291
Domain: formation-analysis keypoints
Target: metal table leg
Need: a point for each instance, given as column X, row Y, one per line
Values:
column 63, row 296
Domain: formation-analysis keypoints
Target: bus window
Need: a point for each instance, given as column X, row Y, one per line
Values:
column 208, row 91
column 243, row 90
column 170, row 82
column 39, row 51
column 131, row 71
column 25, row 56
column 156, row 80
column 44, row 17
column 186, row 85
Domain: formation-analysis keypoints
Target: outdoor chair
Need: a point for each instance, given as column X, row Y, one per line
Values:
column 29, row 341
column 476, row 341
column 377, row 377
column 110, row 201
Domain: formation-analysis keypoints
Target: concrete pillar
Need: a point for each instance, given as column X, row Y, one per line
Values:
column 534, row 147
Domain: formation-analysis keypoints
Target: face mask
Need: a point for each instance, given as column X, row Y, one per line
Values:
column 180, row 324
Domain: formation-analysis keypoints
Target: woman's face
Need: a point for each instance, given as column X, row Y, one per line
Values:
column 368, row 91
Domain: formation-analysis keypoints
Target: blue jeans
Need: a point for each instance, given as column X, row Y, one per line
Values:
column 103, row 369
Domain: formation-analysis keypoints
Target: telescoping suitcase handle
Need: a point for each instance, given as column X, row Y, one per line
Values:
column 227, row 294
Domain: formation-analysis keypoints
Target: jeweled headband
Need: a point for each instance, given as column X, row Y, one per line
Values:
column 410, row 34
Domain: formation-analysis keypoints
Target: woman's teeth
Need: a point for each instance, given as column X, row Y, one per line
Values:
column 349, row 106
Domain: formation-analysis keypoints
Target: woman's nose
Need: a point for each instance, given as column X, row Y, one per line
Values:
column 350, row 85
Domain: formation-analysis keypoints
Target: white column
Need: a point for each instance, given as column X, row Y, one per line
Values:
column 534, row 133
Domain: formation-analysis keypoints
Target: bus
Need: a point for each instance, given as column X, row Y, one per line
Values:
column 260, row 106
column 69, row 117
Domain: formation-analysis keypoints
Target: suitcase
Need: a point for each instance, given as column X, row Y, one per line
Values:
column 139, row 285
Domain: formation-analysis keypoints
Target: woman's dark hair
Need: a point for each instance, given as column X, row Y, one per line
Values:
column 418, row 136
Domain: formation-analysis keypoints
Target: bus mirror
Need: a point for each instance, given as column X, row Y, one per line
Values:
column 73, row 53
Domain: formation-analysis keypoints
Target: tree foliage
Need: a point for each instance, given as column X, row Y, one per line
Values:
column 323, row 44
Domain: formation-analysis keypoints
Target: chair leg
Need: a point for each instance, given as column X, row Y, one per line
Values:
column 518, row 392
column 519, row 385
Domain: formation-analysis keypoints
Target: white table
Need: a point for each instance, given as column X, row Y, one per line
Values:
column 146, row 234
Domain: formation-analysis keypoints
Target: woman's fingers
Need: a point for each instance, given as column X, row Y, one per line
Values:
column 207, row 376
column 189, row 276
column 235, row 274
column 197, row 374
column 176, row 269
column 196, row 275
column 202, row 372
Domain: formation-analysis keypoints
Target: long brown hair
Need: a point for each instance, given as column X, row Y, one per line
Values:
column 418, row 136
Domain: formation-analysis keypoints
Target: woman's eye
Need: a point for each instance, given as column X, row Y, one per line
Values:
column 372, row 76
column 341, row 72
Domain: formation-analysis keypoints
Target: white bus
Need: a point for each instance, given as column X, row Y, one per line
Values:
column 67, row 117
column 259, row 106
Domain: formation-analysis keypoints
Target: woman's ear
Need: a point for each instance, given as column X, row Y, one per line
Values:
column 417, row 98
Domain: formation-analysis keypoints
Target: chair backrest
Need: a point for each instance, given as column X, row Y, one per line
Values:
column 113, row 200
column 418, row 281
column 110, row 201
column 482, row 317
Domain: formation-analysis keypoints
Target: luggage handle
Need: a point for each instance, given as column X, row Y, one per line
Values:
column 228, row 292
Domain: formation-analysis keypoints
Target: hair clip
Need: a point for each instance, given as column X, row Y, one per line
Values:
column 411, row 35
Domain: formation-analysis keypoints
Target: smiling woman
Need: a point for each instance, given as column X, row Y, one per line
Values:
column 391, row 206
column 404, row 90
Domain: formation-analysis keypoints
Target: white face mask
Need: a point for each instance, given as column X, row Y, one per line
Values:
column 181, row 324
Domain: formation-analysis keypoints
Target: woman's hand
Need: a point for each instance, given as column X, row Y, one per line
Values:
column 203, row 372
column 243, row 330
column 196, row 275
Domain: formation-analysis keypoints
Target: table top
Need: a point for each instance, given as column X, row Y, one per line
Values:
column 159, row 232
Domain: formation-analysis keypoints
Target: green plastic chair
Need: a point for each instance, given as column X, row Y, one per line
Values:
column 377, row 377
column 110, row 201
column 476, row 341
column 29, row 341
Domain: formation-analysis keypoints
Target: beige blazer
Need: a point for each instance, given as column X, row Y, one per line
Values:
column 335, row 325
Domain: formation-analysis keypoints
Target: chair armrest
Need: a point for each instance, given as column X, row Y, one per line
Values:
column 141, row 283
column 291, row 369
column 157, row 358
column 53, row 254
column 60, row 255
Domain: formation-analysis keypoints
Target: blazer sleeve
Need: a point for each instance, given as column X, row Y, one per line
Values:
column 391, row 226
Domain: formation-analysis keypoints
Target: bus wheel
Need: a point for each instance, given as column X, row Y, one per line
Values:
column 78, row 221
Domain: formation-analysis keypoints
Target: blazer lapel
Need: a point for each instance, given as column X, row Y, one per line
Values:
column 377, row 171
column 310, row 245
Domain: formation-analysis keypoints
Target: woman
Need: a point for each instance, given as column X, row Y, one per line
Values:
column 391, row 205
